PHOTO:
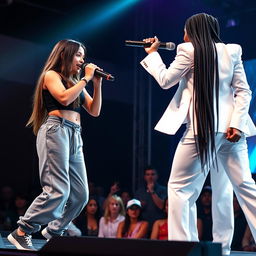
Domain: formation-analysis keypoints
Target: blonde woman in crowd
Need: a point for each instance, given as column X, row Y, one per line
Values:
column 114, row 214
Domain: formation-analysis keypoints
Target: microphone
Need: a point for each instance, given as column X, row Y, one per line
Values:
column 166, row 46
column 101, row 73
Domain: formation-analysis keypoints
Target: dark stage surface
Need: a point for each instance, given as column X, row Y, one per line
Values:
column 70, row 245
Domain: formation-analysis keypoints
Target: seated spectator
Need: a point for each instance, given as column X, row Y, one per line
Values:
column 21, row 203
column 204, row 215
column 96, row 193
column 160, row 227
column 88, row 220
column 114, row 190
column 133, row 226
column 248, row 242
column 114, row 214
column 126, row 196
column 240, row 224
column 151, row 196
column 6, row 206
column 7, row 196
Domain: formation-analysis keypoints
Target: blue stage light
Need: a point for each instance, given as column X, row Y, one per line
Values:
column 250, row 66
column 253, row 160
column 97, row 20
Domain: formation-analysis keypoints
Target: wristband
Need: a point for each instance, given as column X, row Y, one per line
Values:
column 84, row 79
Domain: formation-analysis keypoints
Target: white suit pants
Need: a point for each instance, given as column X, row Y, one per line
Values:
column 186, row 182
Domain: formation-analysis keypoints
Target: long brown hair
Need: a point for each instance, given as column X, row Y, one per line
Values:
column 60, row 60
column 203, row 32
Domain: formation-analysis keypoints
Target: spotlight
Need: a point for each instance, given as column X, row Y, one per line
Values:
column 232, row 22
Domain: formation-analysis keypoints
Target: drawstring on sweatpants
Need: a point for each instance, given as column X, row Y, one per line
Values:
column 73, row 147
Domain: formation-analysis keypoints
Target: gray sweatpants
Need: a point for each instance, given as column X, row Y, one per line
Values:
column 62, row 176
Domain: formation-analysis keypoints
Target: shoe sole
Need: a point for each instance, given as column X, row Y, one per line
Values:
column 13, row 241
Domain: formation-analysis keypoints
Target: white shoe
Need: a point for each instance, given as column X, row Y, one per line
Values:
column 46, row 234
column 225, row 252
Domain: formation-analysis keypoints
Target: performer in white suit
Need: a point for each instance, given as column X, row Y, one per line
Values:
column 213, row 99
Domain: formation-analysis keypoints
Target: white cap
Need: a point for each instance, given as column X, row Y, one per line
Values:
column 133, row 202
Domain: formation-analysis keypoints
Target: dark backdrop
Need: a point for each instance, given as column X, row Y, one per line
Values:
column 108, row 139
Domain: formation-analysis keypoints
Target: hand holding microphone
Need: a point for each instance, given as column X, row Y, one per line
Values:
column 92, row 70
column 154, row 44
column 89, row 69
column 149, row 43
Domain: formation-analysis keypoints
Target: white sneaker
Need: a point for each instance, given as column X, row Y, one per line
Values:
column 225, row 252
column 46, row 234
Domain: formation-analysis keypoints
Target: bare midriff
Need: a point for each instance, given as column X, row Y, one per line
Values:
column 70, row 115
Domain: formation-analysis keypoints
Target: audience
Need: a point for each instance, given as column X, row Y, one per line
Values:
column 160, row 227
column 133, row 226
column 96, row 193
column 204, row 215
column 126, row 196
column 152, row 196
column 88, row 220
column 21, row 203
column 7, row 196
column 7, row 207
column 114, row 190
column 248, row 242
column 149, row 209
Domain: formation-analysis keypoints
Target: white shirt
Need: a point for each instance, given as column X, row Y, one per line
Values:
column 110, row 229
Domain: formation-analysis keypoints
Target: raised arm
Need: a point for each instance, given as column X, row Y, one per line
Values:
column 93, row 104
column 182, row 63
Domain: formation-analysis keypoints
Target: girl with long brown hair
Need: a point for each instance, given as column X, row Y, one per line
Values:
column 59, row 96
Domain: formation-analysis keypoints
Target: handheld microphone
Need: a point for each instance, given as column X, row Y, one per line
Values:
column 101, row 73
column 166, row 46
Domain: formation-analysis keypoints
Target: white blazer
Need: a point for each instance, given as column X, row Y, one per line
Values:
column 234, row 91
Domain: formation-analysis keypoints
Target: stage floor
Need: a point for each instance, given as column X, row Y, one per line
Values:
column 39, row 243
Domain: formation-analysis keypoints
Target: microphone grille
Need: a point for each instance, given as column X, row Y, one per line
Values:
column 170, row 46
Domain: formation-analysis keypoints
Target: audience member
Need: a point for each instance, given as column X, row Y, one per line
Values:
column 88, row 220
column 114, row 190
column 204, row 215
column 7, row 196
column 94, row 192
column 21, row 203
column 7, row 206
column 126, row 196
column 248, row 242
column 114, row 214
column 160, row 227
column 133, row 226
column 152, row 196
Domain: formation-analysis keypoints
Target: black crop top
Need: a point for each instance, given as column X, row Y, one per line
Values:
column 52, row 104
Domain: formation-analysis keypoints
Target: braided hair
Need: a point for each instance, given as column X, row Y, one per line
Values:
column 203, row 32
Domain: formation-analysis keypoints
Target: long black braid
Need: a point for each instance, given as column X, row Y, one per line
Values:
column 203, row 32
